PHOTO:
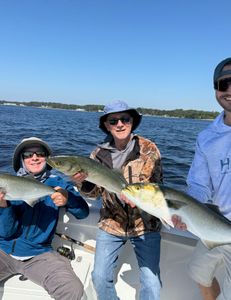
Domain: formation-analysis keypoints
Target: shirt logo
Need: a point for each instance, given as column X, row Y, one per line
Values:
column 225, row 165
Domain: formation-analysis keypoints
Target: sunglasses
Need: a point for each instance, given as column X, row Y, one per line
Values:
column 29, row 154
column 222, row 85
column 124, row 120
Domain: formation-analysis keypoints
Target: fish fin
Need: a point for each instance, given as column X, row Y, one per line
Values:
column 210, row 245
column 30, row 177
column 176, row 204
column 121, row 175
column 31, row 202
column 167, row 224
column 213, row 207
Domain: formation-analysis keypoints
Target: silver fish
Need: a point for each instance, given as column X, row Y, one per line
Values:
column 163, row 202
column 23, row 188
column 112, row 180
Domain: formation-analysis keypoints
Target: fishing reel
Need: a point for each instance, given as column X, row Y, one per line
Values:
column 67, row 252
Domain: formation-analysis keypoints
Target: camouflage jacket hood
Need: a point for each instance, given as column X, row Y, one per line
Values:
column 143, row 164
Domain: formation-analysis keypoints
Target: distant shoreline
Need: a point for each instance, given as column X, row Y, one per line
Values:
column 176, row 113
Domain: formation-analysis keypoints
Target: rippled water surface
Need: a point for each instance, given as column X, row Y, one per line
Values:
column 74, row 132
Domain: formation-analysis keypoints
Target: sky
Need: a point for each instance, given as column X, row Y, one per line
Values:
column 150, row 53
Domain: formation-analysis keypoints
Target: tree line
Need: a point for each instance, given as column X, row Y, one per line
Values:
column 175, row 113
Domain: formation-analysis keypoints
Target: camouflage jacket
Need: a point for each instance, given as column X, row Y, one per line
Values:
column 143, row 164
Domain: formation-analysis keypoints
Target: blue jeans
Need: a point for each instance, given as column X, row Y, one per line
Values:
column 147, row 250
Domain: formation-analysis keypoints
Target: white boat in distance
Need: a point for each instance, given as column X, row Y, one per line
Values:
column 176, row 249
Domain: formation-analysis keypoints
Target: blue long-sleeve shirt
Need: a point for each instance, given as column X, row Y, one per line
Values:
column 28, row 231
column 209, row 177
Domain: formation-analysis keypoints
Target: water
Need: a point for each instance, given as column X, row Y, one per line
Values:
column 73, row 132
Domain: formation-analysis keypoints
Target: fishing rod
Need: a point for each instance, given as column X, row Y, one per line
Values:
column 79, row 243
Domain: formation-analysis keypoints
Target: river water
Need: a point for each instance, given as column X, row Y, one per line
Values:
column 76, row 133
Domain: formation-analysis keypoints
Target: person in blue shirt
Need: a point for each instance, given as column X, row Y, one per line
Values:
column 26, row 232
column 209, row 180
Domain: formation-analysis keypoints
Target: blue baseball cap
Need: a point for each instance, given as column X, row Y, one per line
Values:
column 119, row 106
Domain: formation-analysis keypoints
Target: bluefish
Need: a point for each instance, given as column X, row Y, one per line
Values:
column 163, row 202
column 112, row 180
column 23, row 188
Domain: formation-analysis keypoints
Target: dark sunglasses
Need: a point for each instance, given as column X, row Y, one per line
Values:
column 29, row 154
column 222, row 85
column 124, row 120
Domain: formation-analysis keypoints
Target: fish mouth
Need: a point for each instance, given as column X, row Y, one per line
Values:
column 51, row 162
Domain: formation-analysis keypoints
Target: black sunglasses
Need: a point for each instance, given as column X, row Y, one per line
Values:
column 124, row 120
column 222, row 85
column 29, row 154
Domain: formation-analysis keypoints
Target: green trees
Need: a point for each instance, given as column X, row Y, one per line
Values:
column 175, row 113
column 179, row 113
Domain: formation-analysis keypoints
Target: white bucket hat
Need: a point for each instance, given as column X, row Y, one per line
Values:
column 25, row 143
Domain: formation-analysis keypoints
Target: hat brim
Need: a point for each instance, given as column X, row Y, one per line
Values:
column 133, row 112
column 18, row 150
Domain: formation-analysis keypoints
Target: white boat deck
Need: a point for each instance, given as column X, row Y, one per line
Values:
column 176, row 249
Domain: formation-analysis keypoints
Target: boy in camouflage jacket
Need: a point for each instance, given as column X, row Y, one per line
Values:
column 139, row 160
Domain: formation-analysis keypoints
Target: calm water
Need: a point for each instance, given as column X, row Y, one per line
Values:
column 74, row 132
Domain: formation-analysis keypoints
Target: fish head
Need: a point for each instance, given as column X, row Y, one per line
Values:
column 63, row 164
column 150, row 198
column 144, row 193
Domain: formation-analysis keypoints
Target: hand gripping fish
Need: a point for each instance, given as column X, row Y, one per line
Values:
column 163, row 202
column 23, row 188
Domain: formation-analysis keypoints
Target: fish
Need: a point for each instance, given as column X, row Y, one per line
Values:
column 161, row 201
column 110, row 179
column 23, row 188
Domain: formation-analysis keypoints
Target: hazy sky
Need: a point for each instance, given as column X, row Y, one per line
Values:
column 150, row 53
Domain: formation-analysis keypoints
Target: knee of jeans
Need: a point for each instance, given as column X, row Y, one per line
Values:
column 98, row 278
column 101, row 278
column 150, row 289
column 148, row 278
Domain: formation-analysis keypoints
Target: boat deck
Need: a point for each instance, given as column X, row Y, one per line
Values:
column 176, row 249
